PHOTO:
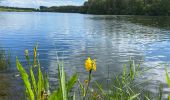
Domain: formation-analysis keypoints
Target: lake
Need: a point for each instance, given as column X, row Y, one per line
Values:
column 111, row 40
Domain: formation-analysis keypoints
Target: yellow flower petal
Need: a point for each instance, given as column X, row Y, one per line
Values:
column 88, row 64
column 94, row 64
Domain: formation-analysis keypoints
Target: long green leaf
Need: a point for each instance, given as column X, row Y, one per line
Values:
column 40, row 82
column 74, row 96
column 147, row 98
column 59, row 77
column 71, row 82
column 25, row 79
column 56, row 95
column 167, row 77
column 134, row 96
column 124, row 74
column 33, row 80
column 63, row 84
column 100, row 88
column 46, row 82
column 53, row 96
column 82, row 88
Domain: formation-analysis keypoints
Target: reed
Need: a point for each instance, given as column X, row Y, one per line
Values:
column 5, row 61
column 122, row 86
column 39, row 89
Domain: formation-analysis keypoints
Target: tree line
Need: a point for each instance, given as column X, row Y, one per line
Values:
column 117, row 7
column 67, row 9
column 5, row 8
column 128, row 7
column 112, row 7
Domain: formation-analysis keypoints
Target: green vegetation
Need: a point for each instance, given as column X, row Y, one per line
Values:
column 121, row 87
column 128, row 7
column 68, row 9
column 117, row 7
column 168, row 80
column 39, row 89
column 4, row 59
column 15, row 9
column 110, row 7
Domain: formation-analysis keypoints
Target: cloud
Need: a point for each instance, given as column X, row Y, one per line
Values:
column 37, row 3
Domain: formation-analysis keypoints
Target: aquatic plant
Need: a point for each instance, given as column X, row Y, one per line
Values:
column 122, row 86
column 35, row 89
column 90, row 64
column 168, row 80
column 39, row 89
column 4, row 59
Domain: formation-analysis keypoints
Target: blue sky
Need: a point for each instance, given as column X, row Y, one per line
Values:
column 37, row 3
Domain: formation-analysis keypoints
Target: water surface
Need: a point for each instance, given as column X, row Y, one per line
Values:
column 111, row 40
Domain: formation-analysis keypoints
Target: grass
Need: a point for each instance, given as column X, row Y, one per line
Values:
column 39, row 89
column 10, row 9
column 4, row 59
column 122, row 86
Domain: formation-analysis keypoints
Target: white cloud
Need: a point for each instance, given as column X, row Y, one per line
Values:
column 37, row 3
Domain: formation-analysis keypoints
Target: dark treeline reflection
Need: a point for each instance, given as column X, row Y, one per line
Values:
column 152, row 21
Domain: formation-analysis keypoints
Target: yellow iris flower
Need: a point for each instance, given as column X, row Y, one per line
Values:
column 90, row 64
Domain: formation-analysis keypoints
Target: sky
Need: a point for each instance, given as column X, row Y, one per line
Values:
column 37, row 3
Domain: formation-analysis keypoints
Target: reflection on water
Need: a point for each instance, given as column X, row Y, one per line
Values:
column 112, row 40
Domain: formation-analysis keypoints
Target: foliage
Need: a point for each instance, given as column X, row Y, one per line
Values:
column 16, row 9
column 68, row 9
column 110, row 7
column 122, row 87
column 116, row 7
column 168, row 80
column 128, row 7
column 39, row 89
column 4, row 59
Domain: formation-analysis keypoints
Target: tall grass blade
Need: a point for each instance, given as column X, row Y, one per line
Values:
column 134, row 96
column 167, row 77
column 71, row 82
column 55, row 95
column 46, row 83
column 124, row 74
column 33, row 80
column 100, row 88
column 59, row 78
column 63, row 84
column 40, row 83
column 82, row 87
column 160, row 91
column 74, row 96
column 25, row 79
column 147, row 98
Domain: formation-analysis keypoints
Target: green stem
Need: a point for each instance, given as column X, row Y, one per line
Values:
column 88, row 83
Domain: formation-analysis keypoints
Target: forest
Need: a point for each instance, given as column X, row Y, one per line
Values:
column 117, row 7
column 127, row 7
column 108, row 7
